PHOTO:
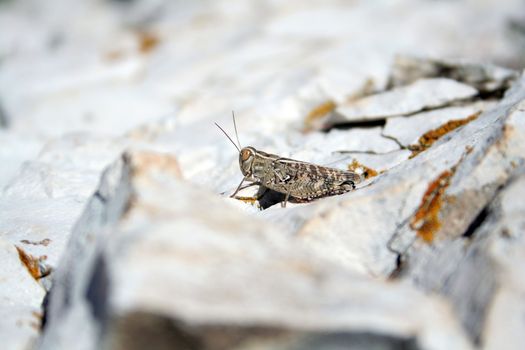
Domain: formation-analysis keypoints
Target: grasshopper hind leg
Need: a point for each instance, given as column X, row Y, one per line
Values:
column 286, row 197
column 347, row 186
column 351, row 184
column 341, row 188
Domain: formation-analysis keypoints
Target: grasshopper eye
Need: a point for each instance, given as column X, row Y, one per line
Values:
column 245, row 154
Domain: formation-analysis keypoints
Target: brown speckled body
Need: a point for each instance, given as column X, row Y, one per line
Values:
column 301, row 180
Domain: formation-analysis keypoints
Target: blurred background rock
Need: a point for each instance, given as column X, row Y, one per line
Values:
column 83, row 81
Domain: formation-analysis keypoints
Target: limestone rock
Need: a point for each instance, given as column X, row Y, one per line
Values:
column 486, row 78
column 20, row 300
column 417, row 212
column 411, row 259
column 155, row 261
column 422, row 94
column 44, row 200
column 14, row 151
column 505, row 250
column 430, row 217
column 4, row 122
column 463, row 255
column 407, row 130
column 38, row 208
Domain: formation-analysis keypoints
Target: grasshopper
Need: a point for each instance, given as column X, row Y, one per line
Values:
column 300, row 180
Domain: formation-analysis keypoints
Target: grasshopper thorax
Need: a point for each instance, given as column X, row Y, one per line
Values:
column 246, row 158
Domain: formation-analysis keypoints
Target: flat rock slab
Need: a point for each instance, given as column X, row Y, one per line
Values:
column 65, row 85
column 407, row 130
column 322, row 145
column 486, row 78
column 379, row 162
column 159, row 253
column 38, row 208
column 41, row 203
column 433, row 197
column 129, row 238
column 412, row 98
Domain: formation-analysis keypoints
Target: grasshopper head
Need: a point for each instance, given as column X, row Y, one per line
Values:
column 246, row 158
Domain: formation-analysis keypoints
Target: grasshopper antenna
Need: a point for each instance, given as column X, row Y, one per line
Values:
column 229, row 138
column 235, row 127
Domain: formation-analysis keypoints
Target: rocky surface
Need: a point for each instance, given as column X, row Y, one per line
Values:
column 485, row 78
column 116, row 226
column 408, row 129
column 417, row 96
column 235, row 281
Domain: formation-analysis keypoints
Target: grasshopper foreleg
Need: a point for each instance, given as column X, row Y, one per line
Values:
column 241, row 187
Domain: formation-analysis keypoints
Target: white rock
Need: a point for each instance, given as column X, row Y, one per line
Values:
column 459, row 253
column 378, row 162
column 75, row 78
column 422, row 94
column 503, row 325
column 407, row 130
column 18, row 287
column 484, row 77
column 38, row 208
column 19, row 326
column 45, row 199
column 355, row 139
column 150, row 247
column 382, row 211
column 4, row 121
column 20, row 300
column 15, row 148
column 82, row 68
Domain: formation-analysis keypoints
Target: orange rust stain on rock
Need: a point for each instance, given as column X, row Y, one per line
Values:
column 147, row 41
column 368, row 88
column 426, row 219
column 38, row 318
column 318, row 112
column 114, row 55
column 30, row 262
column 143, row 162
column 428, row 138
column 249, row 200
column 366, row 171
